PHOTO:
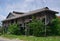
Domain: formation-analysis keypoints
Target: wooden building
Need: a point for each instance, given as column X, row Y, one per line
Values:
column 22, row 18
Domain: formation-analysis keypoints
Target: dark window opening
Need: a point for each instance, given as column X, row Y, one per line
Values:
column 16, row 20
column 30, row 21
column 30, row 17
column 43, row 20
column 20, row 25
column 12, row 21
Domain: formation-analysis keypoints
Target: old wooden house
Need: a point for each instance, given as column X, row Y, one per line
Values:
column 22, row 18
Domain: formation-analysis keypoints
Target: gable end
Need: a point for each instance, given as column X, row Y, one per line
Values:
column 10, row 15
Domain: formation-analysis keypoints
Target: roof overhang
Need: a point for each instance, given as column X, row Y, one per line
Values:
column 32, row 12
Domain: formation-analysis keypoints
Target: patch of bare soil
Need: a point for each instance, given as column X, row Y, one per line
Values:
column 5, row 39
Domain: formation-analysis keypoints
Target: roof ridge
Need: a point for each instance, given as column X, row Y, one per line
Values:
column 18, row 12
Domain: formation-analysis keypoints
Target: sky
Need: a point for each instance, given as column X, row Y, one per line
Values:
column 7, row 6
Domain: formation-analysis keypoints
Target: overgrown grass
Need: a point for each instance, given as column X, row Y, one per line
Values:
column 33, row 38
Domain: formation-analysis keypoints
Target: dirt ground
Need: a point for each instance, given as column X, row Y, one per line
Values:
column 5, row 39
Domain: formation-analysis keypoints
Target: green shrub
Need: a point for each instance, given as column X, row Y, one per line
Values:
column 57, row 23
column 1, row 30
column 55, row 26
column 36, row 27
column 14, row 29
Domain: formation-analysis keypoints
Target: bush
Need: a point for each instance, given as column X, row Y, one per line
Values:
column 55, row 26
column 37, row 27
column 1, row 30
column 14, row 29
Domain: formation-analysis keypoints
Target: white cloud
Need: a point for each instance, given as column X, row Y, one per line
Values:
column 15, row 7
column 29, row 0
column 22, row 7
column 2, row 17
column 25, row 6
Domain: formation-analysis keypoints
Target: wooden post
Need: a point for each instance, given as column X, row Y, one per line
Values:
column 45, row 25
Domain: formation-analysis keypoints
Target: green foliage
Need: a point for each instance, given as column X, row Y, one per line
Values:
column 1, row 30
column 33, row 38
column 14, row 29
column 58, row 26
column 55, row 26
column 37, row 27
